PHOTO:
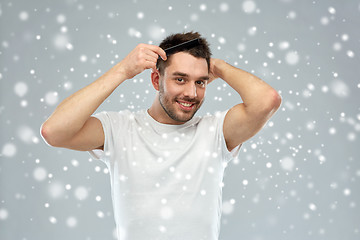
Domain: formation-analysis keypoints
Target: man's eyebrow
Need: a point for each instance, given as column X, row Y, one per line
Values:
column 204, row 78
column 180, row 74
column 187, row 75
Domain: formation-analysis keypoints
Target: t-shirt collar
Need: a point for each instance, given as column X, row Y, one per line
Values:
column 168, row 127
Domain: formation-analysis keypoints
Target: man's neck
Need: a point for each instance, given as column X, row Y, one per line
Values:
column 157, row 112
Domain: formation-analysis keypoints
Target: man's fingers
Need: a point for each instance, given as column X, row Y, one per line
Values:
column 150, row 64
column 159, row 51
column 150, row 61
column 144, row 56
column 151, row 56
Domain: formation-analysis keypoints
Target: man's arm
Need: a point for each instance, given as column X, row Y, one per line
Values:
column 71, row 125
column 260, row 102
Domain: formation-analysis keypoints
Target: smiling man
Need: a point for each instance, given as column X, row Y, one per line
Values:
column 166, row 166
column 181, row 89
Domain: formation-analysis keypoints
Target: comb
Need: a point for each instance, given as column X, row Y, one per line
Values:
column 185, row 45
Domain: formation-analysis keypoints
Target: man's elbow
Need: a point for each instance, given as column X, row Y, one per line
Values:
column 47, row 135
column 276, row 100
column 272, row 102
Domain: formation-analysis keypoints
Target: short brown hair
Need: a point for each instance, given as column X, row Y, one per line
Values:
column 200, row 51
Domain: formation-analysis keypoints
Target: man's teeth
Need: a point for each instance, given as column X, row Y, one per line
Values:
column 185, row 104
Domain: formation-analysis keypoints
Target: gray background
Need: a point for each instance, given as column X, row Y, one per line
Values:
column 296, row 179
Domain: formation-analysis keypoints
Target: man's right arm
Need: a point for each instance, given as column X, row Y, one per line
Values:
column 71, row 125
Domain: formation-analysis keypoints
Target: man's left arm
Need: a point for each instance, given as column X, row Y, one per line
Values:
column 260, row 102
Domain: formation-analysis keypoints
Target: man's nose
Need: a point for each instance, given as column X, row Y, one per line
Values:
column 190, row 90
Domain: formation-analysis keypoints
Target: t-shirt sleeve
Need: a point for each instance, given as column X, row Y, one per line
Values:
column 109, row 122
column 227, row 155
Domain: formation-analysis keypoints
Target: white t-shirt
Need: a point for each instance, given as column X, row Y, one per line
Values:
column 165, row 179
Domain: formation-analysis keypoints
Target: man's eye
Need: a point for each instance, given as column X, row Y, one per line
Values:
column 180, row 80
column 200, row 83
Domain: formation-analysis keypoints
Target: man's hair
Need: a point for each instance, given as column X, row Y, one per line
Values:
column 200, row 51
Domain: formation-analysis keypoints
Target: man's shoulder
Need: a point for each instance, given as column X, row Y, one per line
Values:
column 213, row 116
column 124, row 112
column 116, row 116
column 210, row 120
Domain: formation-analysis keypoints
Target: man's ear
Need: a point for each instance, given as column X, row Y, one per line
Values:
column 155, row 78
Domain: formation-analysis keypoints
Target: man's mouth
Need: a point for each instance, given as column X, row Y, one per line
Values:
column 186, row 105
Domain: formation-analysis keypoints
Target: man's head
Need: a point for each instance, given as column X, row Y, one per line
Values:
column 200, row 51
column 181, row 80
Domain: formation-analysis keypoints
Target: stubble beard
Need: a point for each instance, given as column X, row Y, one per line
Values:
column 169, row 107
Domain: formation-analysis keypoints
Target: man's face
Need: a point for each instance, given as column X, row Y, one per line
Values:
column 182, row 87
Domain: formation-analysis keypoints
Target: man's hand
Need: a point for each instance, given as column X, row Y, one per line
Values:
column 143, row 56
column 215, row 66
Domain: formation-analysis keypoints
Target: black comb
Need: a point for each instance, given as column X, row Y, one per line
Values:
column 185, row 45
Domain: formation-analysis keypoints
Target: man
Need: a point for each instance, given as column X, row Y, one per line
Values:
column 166, row 166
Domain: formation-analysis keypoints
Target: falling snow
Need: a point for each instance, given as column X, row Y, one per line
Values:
column 249, row 6
column 296, row 179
